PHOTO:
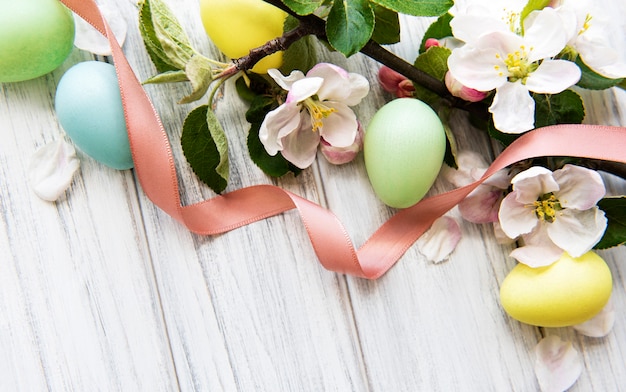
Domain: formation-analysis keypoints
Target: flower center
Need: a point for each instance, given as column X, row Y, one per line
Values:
column 546, row 207
column 318, row 111
column 511, row 18
column 517, row 65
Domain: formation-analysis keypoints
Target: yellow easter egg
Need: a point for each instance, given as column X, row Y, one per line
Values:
column 567, row 292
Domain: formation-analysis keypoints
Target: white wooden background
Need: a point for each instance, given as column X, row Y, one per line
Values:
column 101, row 291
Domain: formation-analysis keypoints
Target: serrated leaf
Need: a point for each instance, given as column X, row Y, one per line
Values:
column 167, row 77
column 274, row 166
column 592, row 80
column 435, row 63
column 259, row 107
column 386, row 26
column 438, row 29
column 417, row 7
column 302, row 54
column 563, row 108
column 200, row 74
column 150, row 40
column 615, row 211
column 303, row 7
column 350, row 25
column 206, row 148
column 533, row 5
column 170, row 34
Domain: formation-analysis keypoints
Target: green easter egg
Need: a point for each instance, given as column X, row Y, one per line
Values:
column 36, row 36
column 404, row 147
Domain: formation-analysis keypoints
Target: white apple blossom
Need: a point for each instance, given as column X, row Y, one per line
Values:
column 317, row 106
column 553, row 212
column 516, row 65
column 593, row 36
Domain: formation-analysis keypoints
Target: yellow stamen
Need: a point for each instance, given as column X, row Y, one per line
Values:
column 318, row 111
column 546, row 207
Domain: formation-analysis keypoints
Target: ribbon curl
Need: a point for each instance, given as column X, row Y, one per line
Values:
column 154, row 165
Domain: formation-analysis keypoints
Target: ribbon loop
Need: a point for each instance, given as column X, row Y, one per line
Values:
column 154, row 165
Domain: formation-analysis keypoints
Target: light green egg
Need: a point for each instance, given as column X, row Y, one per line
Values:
column 404, row 146
column 36, row 36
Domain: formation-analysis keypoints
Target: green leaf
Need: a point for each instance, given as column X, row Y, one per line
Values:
column 303, row 7
column 438, row 29
column 533, row 5
column 150, row 40
column 167, row 77
column 386, row 26
column 563, row 108
column 173, row 39
column 200, row 74
column 302, row 54
column 206, row 148
column 592, row 80
column 274, row 166
column 259, row 107
column 615, row 211
column 164, row 38
column 350, row 25
column 417, row 7
column 435, row 63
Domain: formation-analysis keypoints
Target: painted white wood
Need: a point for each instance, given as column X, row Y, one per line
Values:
column 101, row 290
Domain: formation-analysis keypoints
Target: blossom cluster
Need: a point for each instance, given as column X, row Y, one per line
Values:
column 499, row 49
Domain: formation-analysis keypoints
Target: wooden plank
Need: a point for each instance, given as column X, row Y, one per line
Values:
column 79, row 302
column 251, row 309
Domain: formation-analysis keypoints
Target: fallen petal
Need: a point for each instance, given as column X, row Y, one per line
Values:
column 600, row 325
column 440, row 240
column 52, row 168
column 89, row 39
column 557, row 364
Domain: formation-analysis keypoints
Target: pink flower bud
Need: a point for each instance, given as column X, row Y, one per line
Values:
column 430, row 42
column 463, row 92
column 395, row 83
column 341, row 155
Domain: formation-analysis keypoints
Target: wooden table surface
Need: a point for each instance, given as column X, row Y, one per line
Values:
column 103, row 291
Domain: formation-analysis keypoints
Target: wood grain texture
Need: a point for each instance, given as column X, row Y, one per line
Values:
column 103, row 291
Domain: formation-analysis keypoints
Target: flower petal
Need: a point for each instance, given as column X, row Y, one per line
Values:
column 475, row 22
column 336, row 84
column 513, row 108
column 303, row 89
column 440, row 240
column 52, row 168
column 577, row 231
column 89, row 39
column 277, row 124
column 553, row 76
column 533, row 183
column 545, row 33
column 579, row 187
column 482, row 205
column 557, row 364
column 515, row 218
column 474, row 67
column 536, row 256
column 600, row 325
column 339, row 129
column 285, row 82
column 300, row 147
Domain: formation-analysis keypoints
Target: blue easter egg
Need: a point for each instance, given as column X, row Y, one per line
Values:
column 89, row 108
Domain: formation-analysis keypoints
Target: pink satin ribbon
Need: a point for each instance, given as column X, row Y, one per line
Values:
column 154, row 165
